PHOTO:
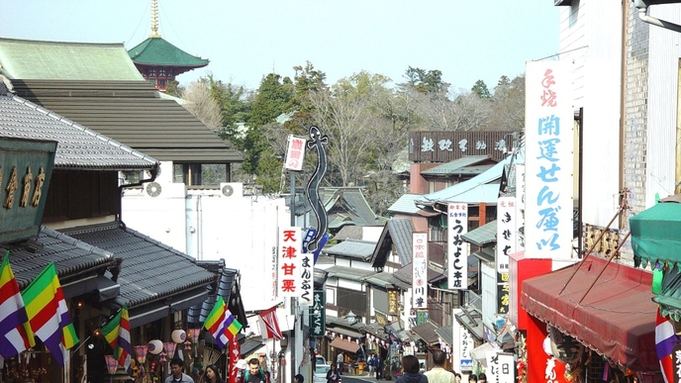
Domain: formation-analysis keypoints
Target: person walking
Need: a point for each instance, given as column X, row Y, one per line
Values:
column 213, row 375
column 379, row 367
column 332, row 376
column 255, row 374
column 372, row 365
column 412, row 374
column 176, row 374
column 340, row 359
column 438, row 374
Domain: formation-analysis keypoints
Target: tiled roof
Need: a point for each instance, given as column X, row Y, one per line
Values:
column 352, row 248
column 463, row 165
column 379, row 279
column 159, row 52
column 405, row 204
column 227, row 287
column 350, row 273
column 405, row 274
column 347, row 206
column 151, row 271
column 426, row 331
column 131, row 112
column 79, row 147
column 57, row 60
column 349, row 232
column 482, row 235
column 446, row 334
column 72, row 258
column 398, row 232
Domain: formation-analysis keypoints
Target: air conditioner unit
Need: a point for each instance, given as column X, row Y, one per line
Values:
column 231, row 189
column 153, row 189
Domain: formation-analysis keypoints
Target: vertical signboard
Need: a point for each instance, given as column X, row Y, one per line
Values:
column 318, row 314
column 503, row 293
column 306, row 283
column 419, row 270
column 457, row 249
column 295, row 153
column 466, row 346
column 506, row 232
column 549, row 160
column 519, row 203
column 500, row 367
column 393, row 300
column 289, row 262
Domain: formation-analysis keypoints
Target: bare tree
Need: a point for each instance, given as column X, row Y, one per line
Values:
column 198, row 101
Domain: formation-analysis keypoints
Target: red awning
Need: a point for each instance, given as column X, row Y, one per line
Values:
column 616, row 318
column 345, row 344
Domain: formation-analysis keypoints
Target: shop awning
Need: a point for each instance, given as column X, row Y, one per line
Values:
column 616, row 318
column 654, row 234
column 345, row 344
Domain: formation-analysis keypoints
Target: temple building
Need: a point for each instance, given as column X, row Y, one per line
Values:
column 160, row 61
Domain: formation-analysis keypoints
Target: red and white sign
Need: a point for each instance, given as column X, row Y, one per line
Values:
column 289, row 281
column 295, row 153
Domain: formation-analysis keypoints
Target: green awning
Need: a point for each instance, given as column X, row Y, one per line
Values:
column 656, row 235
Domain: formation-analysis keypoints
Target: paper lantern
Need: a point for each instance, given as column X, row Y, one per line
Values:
column 178, row 336
column 155, row 347
column 170, row 349
column 141, row 353
column 194, row 334
column 111, row 364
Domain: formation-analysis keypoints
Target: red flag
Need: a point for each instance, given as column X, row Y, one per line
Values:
column 234, row 356
column 269, row 318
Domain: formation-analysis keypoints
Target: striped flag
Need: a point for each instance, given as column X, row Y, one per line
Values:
column 221, row 323
column 269, row 318
column 15, row 332
column 664, row 343
column 48, row 315
column 117, row 334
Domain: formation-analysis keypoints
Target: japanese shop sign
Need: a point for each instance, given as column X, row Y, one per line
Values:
column 500, row 367
column 445, row 146
column 290, row 261
column 419, row 261
column 318, row 314
column 457, row 249
column 503, row 293
column 393, row 299
column 506, row 232
column 306, row 279
column 466, row 346
column 549, row 160
column 295, row 153
column 25, row 170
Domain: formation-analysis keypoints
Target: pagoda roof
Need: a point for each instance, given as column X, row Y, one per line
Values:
column 159, row 52
column 58, row 60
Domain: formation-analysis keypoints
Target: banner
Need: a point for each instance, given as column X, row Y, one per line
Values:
column 289, row 281
column 419, row 261
column 457, row 249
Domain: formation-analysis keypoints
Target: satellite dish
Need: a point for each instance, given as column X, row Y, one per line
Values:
column 227, row 190
column 154, row 189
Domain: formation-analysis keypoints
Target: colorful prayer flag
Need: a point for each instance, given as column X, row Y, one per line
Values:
column 48, row 315
column 15, row 332
column 664, row 343
column 117, row 334
column 221, row 323
column 269, row 318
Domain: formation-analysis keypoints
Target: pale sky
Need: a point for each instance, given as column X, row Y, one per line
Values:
column 245, row 40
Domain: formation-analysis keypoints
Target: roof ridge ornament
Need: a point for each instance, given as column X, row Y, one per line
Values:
column 154, row 19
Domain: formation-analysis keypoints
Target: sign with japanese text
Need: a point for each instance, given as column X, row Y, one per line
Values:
column 503, row 293
column 549, row 157
column 419, row 261
column 466, row 345
column 500, row 367
column 295, row 153
column 318, row 314
column 393, row 302
column 25, row 172
column 519, row 203
column 507, row 231
column 445, row 146
column 290, row 260
column 421, row 317
column 457, row 249
column 306, row 279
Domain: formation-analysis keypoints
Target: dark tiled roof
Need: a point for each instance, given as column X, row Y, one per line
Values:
column 405, row 274
column 159, row 52
column 227, row 287
column 446, row 334
column 352, row 248
column 72, row 258
column 398, row 232
column 482, row 235
column 465, row 165
column 426, row 331
column 350, row 273
column 347, row 206
column 349, row 232
column 79, row 147
column 151, row 271
column 131, row 112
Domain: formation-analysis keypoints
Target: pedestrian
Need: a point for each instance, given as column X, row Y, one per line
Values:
column 340, row 359
column 472, row 378
column 254, row 374
column 438, row 374
column 482, row 378
column 333, row 376
column 263, row 361
column 213, row 375
column 176, row 374
column 411, row 368
column 458, row 377
column 299, row 378
column 372, row 365
column 379, row 368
